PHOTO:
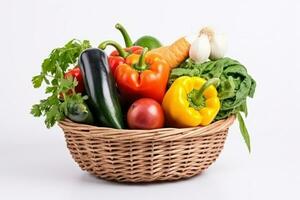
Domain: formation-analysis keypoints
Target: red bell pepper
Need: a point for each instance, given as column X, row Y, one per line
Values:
column 142, row 76
column 76, row 73
column 118, row 56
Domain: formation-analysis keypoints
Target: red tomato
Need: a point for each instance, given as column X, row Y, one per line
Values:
column 145, row 113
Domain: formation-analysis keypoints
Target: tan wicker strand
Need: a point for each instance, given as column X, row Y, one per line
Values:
column 145, row 155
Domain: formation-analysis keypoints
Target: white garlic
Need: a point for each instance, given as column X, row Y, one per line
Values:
column 218, row 43
column 200, row 49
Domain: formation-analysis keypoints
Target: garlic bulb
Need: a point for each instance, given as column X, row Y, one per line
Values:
column 218, row 43
column 200, row 49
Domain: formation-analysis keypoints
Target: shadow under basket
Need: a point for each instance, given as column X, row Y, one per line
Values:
column 145, row 155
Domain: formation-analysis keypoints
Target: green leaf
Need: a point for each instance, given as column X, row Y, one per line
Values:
column 85, row 44
column 59, row 73
column 53, row 115
column 178, row 72
column 231, row 103
column 37, row 81
column 50, row 89
column 66, row 84
column 244, row 131
column 243, row 89
column 54, row 82
column 236, row 70
column 217, row 70
column 253, row 87
column 36, row 111
column 63, row 107
column 226, row 88
column 243, row 108
column 46, row 65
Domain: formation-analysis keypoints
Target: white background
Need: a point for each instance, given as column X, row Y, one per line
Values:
column 263, row 35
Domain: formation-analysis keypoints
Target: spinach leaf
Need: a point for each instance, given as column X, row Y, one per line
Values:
column 244, row 131
column 226, row 88
column 252, row 88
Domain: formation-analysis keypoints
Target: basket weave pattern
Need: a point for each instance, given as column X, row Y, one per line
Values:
column 145, row 155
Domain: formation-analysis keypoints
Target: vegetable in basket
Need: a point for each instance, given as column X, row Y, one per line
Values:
column 145, row 113
column 145, row 41
column 200, row 49
column 234, row 88
column 191, row 101
column 76, row 73
column 100, row 87
column 79, row 113
column 119, row 56
column 217, row 41
column 208, row 45
column 142, row 76
column 175, row 53
column 148, row 41
column 59, row 85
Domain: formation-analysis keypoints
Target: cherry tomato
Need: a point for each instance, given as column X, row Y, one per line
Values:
column 145, row 113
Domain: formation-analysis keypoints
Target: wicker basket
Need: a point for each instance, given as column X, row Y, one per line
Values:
column 145, row 155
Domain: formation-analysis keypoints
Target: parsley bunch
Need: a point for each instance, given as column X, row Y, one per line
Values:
column 54, row 107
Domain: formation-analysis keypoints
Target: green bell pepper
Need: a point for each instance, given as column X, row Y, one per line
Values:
column 145, row 41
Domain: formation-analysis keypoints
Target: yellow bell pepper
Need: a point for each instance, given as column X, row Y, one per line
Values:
column 191, row 101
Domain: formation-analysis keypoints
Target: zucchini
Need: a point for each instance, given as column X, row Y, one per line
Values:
column 101, row 88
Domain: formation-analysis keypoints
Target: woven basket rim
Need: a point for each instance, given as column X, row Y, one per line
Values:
column 151, row 134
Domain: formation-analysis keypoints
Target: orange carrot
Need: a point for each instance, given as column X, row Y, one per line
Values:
column 175, row 53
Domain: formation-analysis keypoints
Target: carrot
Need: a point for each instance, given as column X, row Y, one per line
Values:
column 175, row 53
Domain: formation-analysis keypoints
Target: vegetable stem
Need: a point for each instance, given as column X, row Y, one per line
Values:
column 127, row 39
column 197, row 97
column 118, row 47
column 141, row 65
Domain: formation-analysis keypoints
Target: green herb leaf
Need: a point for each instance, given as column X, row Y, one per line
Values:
column 46, row 65
column 50, row 89
column 37, row 81
column 52, row 74
column 244, row 131
column 36, row 111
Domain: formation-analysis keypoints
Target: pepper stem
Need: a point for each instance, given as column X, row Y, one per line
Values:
column 127, row 39
column 118, row 47
column 197, row 95
column 141, row 65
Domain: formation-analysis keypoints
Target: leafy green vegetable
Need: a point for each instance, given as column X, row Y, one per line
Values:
column 244, row 131
column 61, row 90
column 234, row 88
